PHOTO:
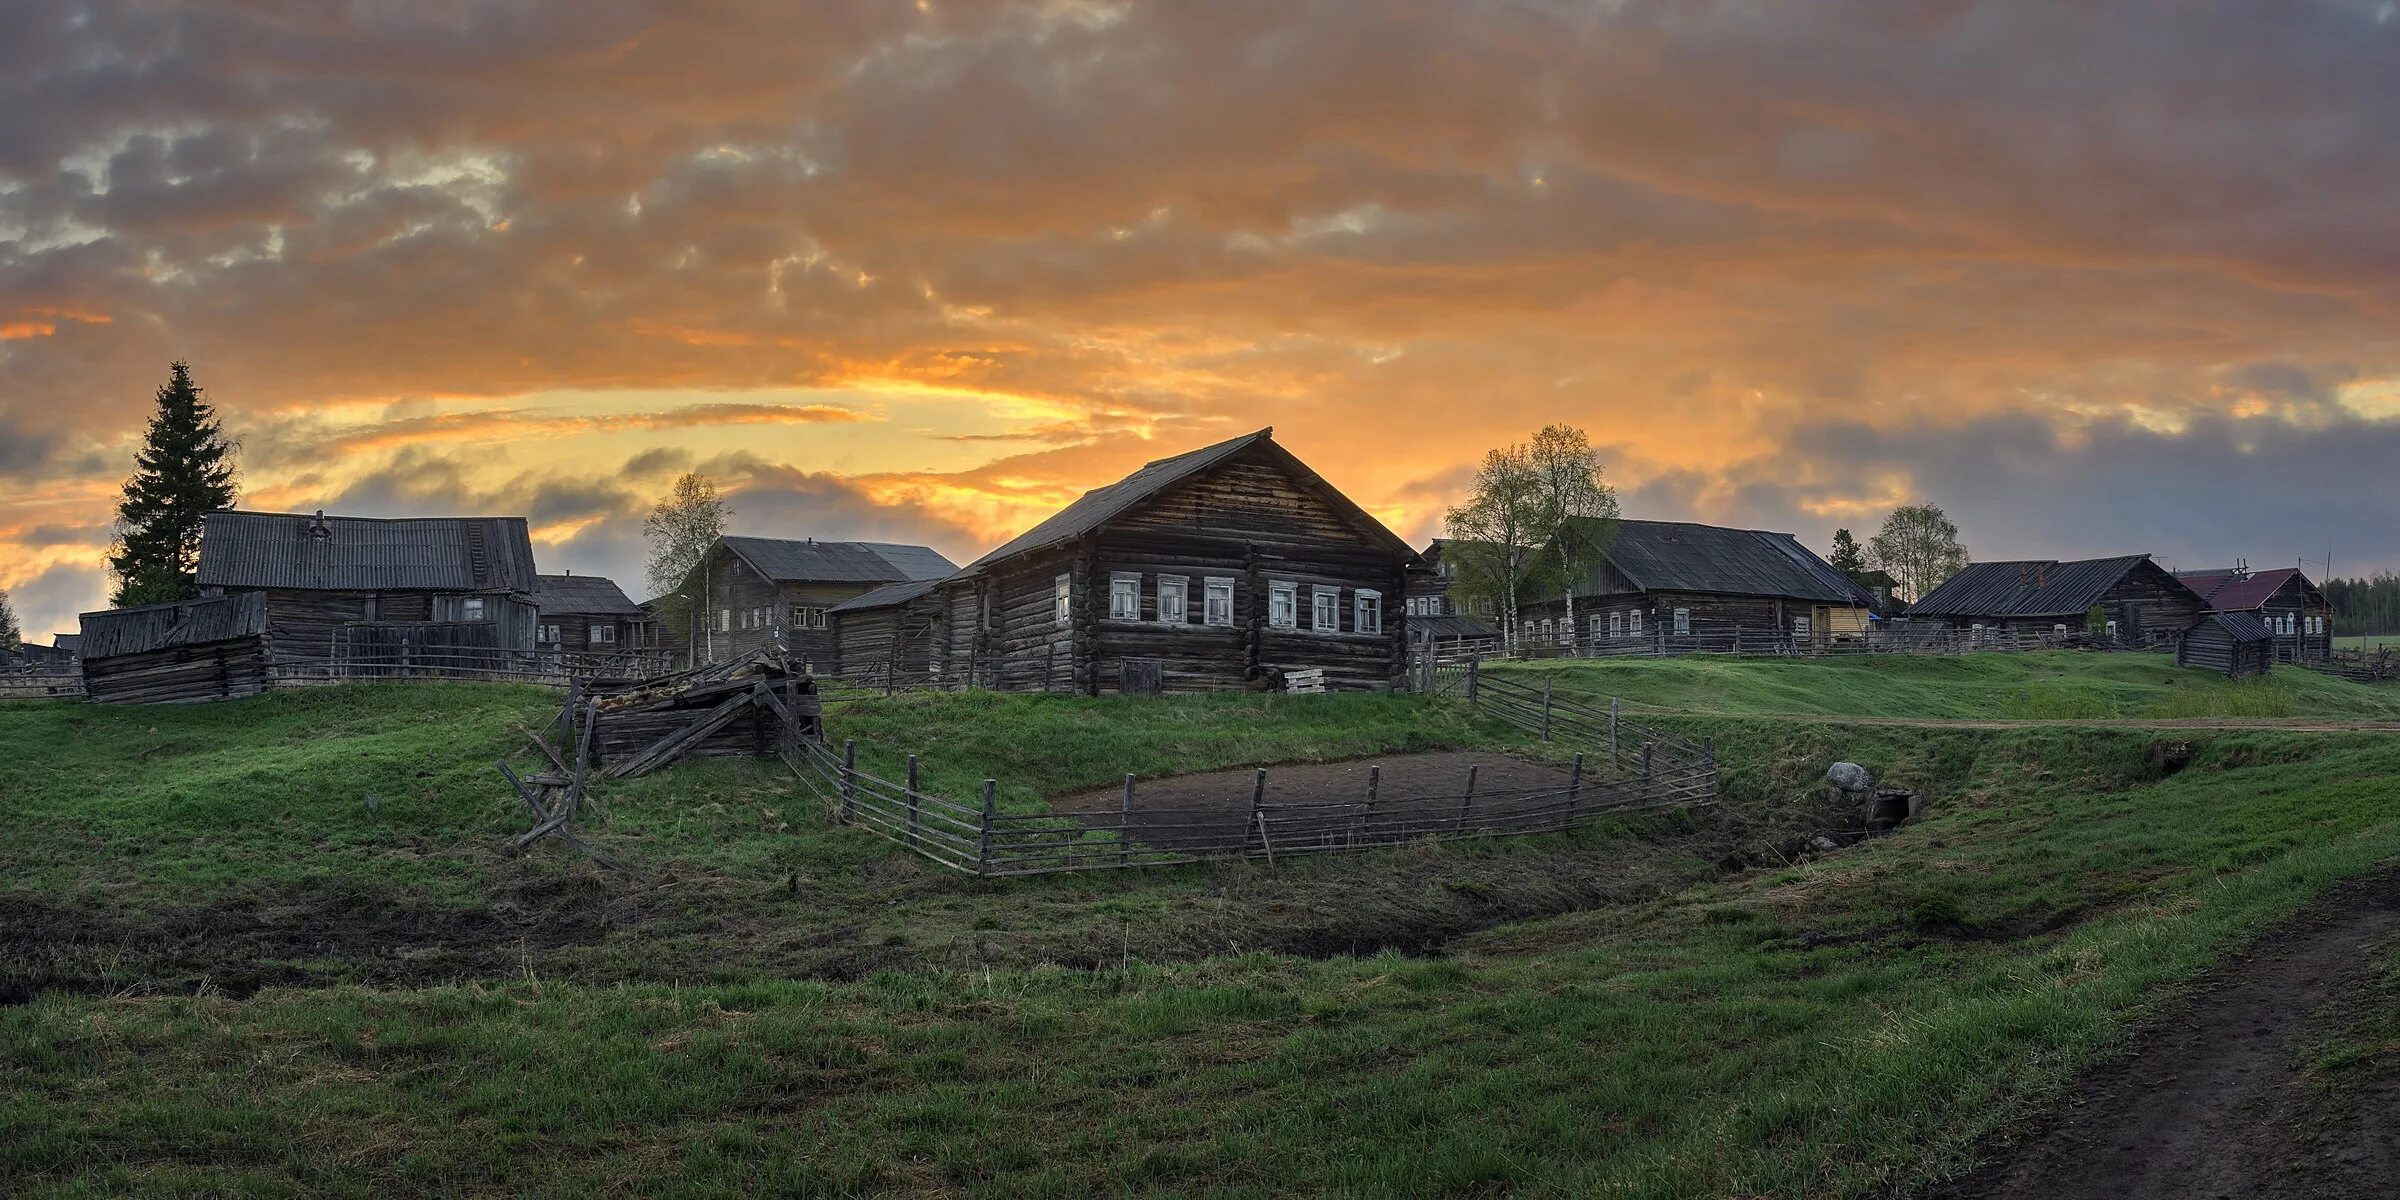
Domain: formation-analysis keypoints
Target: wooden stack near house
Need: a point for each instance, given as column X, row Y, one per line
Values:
column 179, row 653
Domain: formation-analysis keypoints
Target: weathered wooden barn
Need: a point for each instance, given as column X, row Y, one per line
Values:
column 2286, row 601
column 888, row 635
column 441, row 590
column 754, row 592
column 1679, row 585
column 2137, row 601
column 2230, row 643
column 1213, row 570
column 191, row 650
column 589, row 614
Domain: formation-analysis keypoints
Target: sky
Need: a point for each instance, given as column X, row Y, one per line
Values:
column 2096, row 276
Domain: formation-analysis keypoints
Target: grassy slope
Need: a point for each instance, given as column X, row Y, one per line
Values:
column 2061, row 685
column 1825, row 1029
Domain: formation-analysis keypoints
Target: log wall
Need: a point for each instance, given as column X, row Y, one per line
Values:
column 180, row 674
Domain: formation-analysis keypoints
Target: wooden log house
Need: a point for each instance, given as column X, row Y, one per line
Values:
column 1680, row 585
column 589, row 614
column 178, row 653
column 753, row 593
column 2137, row 601
column 448, row 590
column 1213, row 570
column 2237, row 644
column 2295, row 613
column 887, row 636
column 1435, row 619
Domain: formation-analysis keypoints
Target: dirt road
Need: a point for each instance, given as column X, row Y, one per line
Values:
column 2215, row 1102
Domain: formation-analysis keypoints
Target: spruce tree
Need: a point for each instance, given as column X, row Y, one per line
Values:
column 12, row 639
column 1847, row 557
column 183, row 472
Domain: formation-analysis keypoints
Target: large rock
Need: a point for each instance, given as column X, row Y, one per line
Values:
column 1850, row 777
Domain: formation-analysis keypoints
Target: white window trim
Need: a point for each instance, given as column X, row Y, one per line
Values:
column 1126, row 585
column 1366, row 610
column 1683, row 622
column 1287, row 590
column 1324, row 600
column 1062, row 599
column 1633, row 623
column 602, row 635
column 1616, row 625
column 1209, row 588
column 724, row 620
column 1178, row 612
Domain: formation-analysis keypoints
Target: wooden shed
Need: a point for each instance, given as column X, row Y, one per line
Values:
column 589, row 614
column 887, row 636
column 1213, row 570
column 445, row 590
column 754, row 593
column 2229, row 643
column 192, row 650
column 2139, row 602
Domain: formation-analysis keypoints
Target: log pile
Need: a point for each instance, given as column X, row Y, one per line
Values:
column 747, row 707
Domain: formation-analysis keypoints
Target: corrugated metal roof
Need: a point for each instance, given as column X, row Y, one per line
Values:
column 887, row 596
column 582, row 595
column 807, row 560
column 184, row 623
column 439, row 554
column 2027, row 588
column 1683, row 556
column 2225, row 590
column 1104, row 504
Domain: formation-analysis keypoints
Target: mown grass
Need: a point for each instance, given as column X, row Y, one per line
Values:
column 2055, row 685
column 1842, row 1027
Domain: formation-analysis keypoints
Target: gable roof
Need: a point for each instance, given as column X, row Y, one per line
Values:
column 582, row 595
column 2227, row 590
column 807, row 560
column 887, row 596
column 2241, row 626
column 437, row 554
column 180, row 623
column 2029, row 588
column 1101, row 505
column 1684, row 556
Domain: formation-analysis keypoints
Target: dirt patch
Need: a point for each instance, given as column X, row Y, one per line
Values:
column 2215, row 1102
column 1213, row 809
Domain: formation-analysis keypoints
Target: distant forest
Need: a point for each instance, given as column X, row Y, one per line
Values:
column 2365, row 605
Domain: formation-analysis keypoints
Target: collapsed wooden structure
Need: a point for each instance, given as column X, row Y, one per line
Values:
column 177, row 653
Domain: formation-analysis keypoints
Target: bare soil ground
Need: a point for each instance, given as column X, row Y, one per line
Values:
column 2216, row 1101
column 1213, row 808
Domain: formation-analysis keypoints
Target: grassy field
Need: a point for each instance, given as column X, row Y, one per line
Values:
column 2366, row 641
column 1694, row 1006
column 2061, row 685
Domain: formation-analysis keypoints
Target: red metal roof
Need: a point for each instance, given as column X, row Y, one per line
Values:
column 2226, row 593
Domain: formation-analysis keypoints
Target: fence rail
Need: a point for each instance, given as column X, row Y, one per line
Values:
column 547, row 667
column 37, row 685
column 1894, row 639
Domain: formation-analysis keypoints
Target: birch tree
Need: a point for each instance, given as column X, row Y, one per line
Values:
column 680, row 530
column 1495, row 537
column 1919, row 547
column 1577, row 515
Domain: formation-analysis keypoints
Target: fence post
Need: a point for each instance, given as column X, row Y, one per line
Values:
column 1125, row 828
column 849, row 777
column 1574, row 788
column 1708, row 755
column 1466, row 802
column 983, row 840
column 1545, row 708
column 1615, row 765
column 912, row 801
column 1474, row 673
column 1374, row 787
column 1258, row 814
column 1646, row 789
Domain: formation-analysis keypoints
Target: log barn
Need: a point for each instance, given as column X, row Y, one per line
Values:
column 887, row 636
column 2287, row 602
column 588, row 614
column 758, row 593
column 363, row 588
column 2229, row 643
column 1680, row 585
column 1214, row 570
column 179, row 653
column 2137, row 601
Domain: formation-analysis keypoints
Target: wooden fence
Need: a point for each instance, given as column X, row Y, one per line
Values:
column 1892, row 639
column 41, row 684
column 549, row 668
column 1623, row 768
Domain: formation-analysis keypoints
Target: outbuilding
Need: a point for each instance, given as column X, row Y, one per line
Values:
column 2230, row 643
column 192, row 650
column 2290, row 605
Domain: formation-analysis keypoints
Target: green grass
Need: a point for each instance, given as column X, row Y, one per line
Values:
column 2366, row 641
column 1610, row 1015
column 2058, row 685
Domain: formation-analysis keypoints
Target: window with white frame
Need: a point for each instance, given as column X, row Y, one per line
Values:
column 1124, row 596
column 471, row 609
column 1633, row 623
column 1547, row 633
column 1283, row 604
column 1062, row 599
column 724, row 620
column 1616, row 624
column 1600, row 626
column 1799, row 629
column 1325, row 609
column 1366, row 615
column 2112, row 630
column 811, row 617
column 1217, row 602
column 1174, row 603
column 550, row 634
column 1683, row 620
column 604, row 635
